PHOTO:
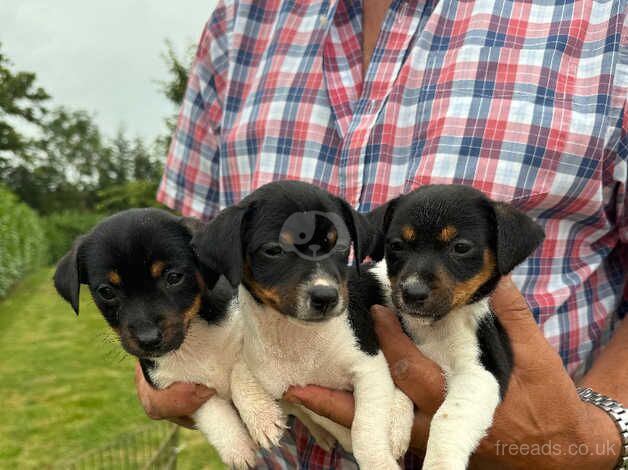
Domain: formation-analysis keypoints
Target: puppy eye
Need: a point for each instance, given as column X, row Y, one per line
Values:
column 173, row 278
column 273, row 251
column 106, row 292
column 462, row 247
column 395, row 245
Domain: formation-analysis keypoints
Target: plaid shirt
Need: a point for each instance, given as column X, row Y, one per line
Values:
column 525, row 100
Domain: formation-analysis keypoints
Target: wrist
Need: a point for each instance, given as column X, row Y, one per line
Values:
column 602, row 441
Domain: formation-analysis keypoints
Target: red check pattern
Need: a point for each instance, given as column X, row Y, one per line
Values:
column 525, row 100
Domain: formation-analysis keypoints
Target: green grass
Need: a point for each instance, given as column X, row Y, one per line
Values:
column 65, row 384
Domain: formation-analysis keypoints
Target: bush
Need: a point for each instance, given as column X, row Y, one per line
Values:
column 62, row 228
column 22, row 242
column 139, row 193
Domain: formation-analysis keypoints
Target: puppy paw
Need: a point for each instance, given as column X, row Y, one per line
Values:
column 267, row 426
column 239, row 457
column 402, row 418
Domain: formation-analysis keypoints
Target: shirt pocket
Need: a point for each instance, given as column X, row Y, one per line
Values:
column 496, row 118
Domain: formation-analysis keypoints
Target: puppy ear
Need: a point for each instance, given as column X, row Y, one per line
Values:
column 191, row 224
column 381, row 216
column 517, row 236
column 70, row 274
column 364, row 235
column 218, row 245
column 380, row 219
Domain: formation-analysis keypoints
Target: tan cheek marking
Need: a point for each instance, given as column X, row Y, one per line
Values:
column 191, row 312
column 465, row 290
column 156, row 269
column 200, row 281
column 448, row 233
column 408, row 233
column 114, row 278
column 268, row 296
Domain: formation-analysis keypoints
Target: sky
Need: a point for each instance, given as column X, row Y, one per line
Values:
column 103, row 57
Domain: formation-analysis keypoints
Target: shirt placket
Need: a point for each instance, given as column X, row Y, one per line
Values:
column 399, row 28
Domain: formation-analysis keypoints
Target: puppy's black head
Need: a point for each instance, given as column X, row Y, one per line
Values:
column 143, row 276
column 448, row 245
column 288, row 243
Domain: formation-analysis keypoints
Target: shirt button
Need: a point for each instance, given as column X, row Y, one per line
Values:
column 323, row 20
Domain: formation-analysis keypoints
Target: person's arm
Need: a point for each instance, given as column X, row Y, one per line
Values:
column 541, row 423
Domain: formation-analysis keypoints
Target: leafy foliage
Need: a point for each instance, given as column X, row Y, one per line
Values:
column 22, row 242
column 62, row 228
column 20, row 99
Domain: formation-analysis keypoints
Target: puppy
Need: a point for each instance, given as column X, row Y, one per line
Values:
column 145, row 279
column 446, row 247
column 306, row 320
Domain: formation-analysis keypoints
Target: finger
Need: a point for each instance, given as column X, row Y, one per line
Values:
column 416, row 375
column 184, row 421
column 513, row 312
column 179, row 399
column 336, row 405
column 420, row 432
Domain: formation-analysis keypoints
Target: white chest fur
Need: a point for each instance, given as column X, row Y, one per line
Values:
column 206, row 356
column 282, row 351
column 279, row 351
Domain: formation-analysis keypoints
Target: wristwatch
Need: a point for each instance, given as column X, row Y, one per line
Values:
column 617, row 412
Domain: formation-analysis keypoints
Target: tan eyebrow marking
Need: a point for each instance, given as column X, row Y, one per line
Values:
column 157, row 268
column 408, row 233
column 114, row 278
column 448, row 233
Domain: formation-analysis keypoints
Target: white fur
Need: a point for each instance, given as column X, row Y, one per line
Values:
column 279, row 351
column 472, row 392
column 207, row 357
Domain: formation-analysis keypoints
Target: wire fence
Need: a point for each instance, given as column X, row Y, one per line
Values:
column 154, row 446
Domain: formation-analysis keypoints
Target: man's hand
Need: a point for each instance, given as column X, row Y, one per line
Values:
column 175, row 403
column 541, row 423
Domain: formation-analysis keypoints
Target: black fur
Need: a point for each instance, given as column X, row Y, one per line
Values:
column 147, row 366
column 496, row 351
column 364, row 292
column 129, row 244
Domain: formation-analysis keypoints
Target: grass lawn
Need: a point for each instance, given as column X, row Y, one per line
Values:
column 66, row 385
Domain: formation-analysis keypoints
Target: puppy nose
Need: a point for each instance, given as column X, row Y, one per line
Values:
column 148, row 337
column 416, row 292
column 323, row 298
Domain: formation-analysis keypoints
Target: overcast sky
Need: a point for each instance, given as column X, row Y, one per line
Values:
column 103, row 56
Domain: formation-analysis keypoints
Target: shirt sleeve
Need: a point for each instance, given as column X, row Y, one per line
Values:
column 190, row 182
column 616, row 162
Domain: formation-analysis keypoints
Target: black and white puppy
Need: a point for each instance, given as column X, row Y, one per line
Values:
column 306, row 314
column 145, row 279
column 446, row 247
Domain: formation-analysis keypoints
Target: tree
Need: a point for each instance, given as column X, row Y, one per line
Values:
column 174, row 88
column 21, row 100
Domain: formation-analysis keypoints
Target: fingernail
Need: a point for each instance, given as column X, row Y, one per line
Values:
column 202, row 392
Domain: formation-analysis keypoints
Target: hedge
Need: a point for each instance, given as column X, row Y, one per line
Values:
column 22, row 241
column 62, row 228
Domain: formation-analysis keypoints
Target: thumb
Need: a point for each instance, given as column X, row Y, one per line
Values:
column 416, row 375
column 513, row 313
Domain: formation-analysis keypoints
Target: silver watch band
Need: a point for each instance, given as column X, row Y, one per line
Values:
column 617, row 412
